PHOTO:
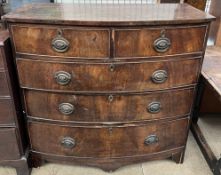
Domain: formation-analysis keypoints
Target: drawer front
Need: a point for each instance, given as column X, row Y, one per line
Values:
column 104, row 142
column 59, row 41
column 4, row 89
column 69, row 141
column 9, row 148
column 142, row 76
column 6, row 111
column 147, row 139
column 107, row 108
column 159, row 41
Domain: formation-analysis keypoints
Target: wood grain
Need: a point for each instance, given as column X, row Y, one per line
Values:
column 111, row 55
column 123, row 108
column 98, row 77
column 85, row 42
column 139, row 42
column 103, row 142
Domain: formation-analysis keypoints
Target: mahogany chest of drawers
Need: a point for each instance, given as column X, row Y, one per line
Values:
column 108, row 85
column 13, row 142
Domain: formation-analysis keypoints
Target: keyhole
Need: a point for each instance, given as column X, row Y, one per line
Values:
column 112, row 67
column 110, row 98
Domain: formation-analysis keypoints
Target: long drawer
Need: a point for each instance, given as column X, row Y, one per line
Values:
column 107, row 141
column 108, row 108
column 106, row 77
column 90, row 43
column 9, row 145
column 6, row 112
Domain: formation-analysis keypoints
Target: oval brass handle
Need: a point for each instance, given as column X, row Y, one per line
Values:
column 159, row 76
column 162, row 44
column 62, row 77
column 59, row 43
column 66, row 108
column 68, row 142
column 151, row 139
column 154, row 107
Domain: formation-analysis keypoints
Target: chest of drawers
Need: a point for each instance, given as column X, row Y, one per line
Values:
column 108, row 85
column 13, row 142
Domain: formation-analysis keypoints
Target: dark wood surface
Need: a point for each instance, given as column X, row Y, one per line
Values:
column 110, row 164
column 6, row 117
column 93, row 43
column 9, row 148
column 108, row 14
column 97, row 77
column 13, row 143
column 111, row 62
column 199, row 4
column 95, row 142
column 123, row 108
column 96, row 43
column 139, row 42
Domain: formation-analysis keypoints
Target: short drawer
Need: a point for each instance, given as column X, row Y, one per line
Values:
column 4, row 89
column 61, row 41
column 140, row 76
column 107, row 141
column 9, row 148
column 6, row 111
column 107, row 108
column 159, row 41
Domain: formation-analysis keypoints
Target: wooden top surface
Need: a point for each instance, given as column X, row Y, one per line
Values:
column 212, row 68
column 108, row 14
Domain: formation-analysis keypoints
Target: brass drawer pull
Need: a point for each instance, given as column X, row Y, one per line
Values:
column 59, row 43
column 159, row 76
column 62, row 77
column 154, row 107
column 151, row 139
column 162, row 44
column 68, row 142
column 66, row 108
